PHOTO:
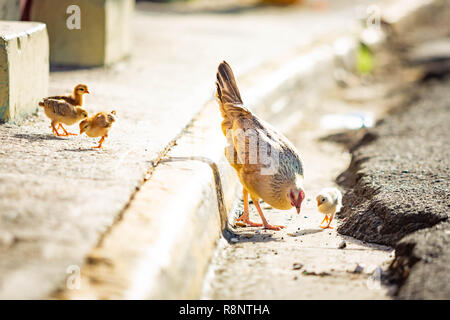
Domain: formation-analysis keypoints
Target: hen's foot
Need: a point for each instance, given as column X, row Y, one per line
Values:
column 246, row 222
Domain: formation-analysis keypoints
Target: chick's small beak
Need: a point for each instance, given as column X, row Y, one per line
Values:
column 318, row 203
column 87, row 91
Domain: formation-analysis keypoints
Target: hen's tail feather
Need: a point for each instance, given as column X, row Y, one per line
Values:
column 227, row 90
column 230, row 102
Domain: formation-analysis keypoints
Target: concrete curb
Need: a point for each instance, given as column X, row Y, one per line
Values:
column 161, row 246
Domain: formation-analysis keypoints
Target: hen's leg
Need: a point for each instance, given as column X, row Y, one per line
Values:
column 245, row 216
column 261, row 214
column 100, row 143
column 65, row 131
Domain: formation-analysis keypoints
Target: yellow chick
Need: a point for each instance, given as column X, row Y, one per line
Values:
column 60, row 111
column 98, row 126
column 329, row 201
column 76, row 98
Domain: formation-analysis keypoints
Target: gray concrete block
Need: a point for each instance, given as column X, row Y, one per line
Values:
column 24, row 68
column 86, row 32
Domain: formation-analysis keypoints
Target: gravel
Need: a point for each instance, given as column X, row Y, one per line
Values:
column 342, row 245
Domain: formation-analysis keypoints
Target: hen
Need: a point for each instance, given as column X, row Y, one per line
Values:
column 267, row 164
column 329, row 201
column 98, row 126
column 60, row 111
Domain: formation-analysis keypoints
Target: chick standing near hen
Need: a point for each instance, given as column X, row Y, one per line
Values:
column 98, row 126
column 329, row 201
column 282, row 189
column 65, row 109
column 60, row 111
column 75, row 98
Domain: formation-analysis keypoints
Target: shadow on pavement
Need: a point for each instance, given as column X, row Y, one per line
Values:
column 33, row 137
column 233, row 237
column 80, row 150
column 305, row 232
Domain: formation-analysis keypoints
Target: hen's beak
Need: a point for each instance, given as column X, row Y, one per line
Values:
column 87, row 91
column 298, row 210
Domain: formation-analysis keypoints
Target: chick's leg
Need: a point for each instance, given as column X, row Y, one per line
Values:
column 55, row 131
column 245, row 216
column 100, row 143
column 261, row 214
column 329, row 222
column 324, row 219
column 65, row 131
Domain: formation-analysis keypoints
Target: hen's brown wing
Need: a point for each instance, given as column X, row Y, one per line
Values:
column 269, row 163
column 256, row 144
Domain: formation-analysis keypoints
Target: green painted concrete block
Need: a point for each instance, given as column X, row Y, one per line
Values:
column 86, row 32
column 24, row 68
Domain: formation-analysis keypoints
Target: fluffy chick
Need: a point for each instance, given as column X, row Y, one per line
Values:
column 75, row 98
column 98, row 126
column 60, row 111
column 329, row 201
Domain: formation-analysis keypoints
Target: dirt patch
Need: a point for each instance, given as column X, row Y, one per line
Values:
column 398, row 182
column 425, row 255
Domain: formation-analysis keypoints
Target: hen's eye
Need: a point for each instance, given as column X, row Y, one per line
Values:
column 323, row 199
